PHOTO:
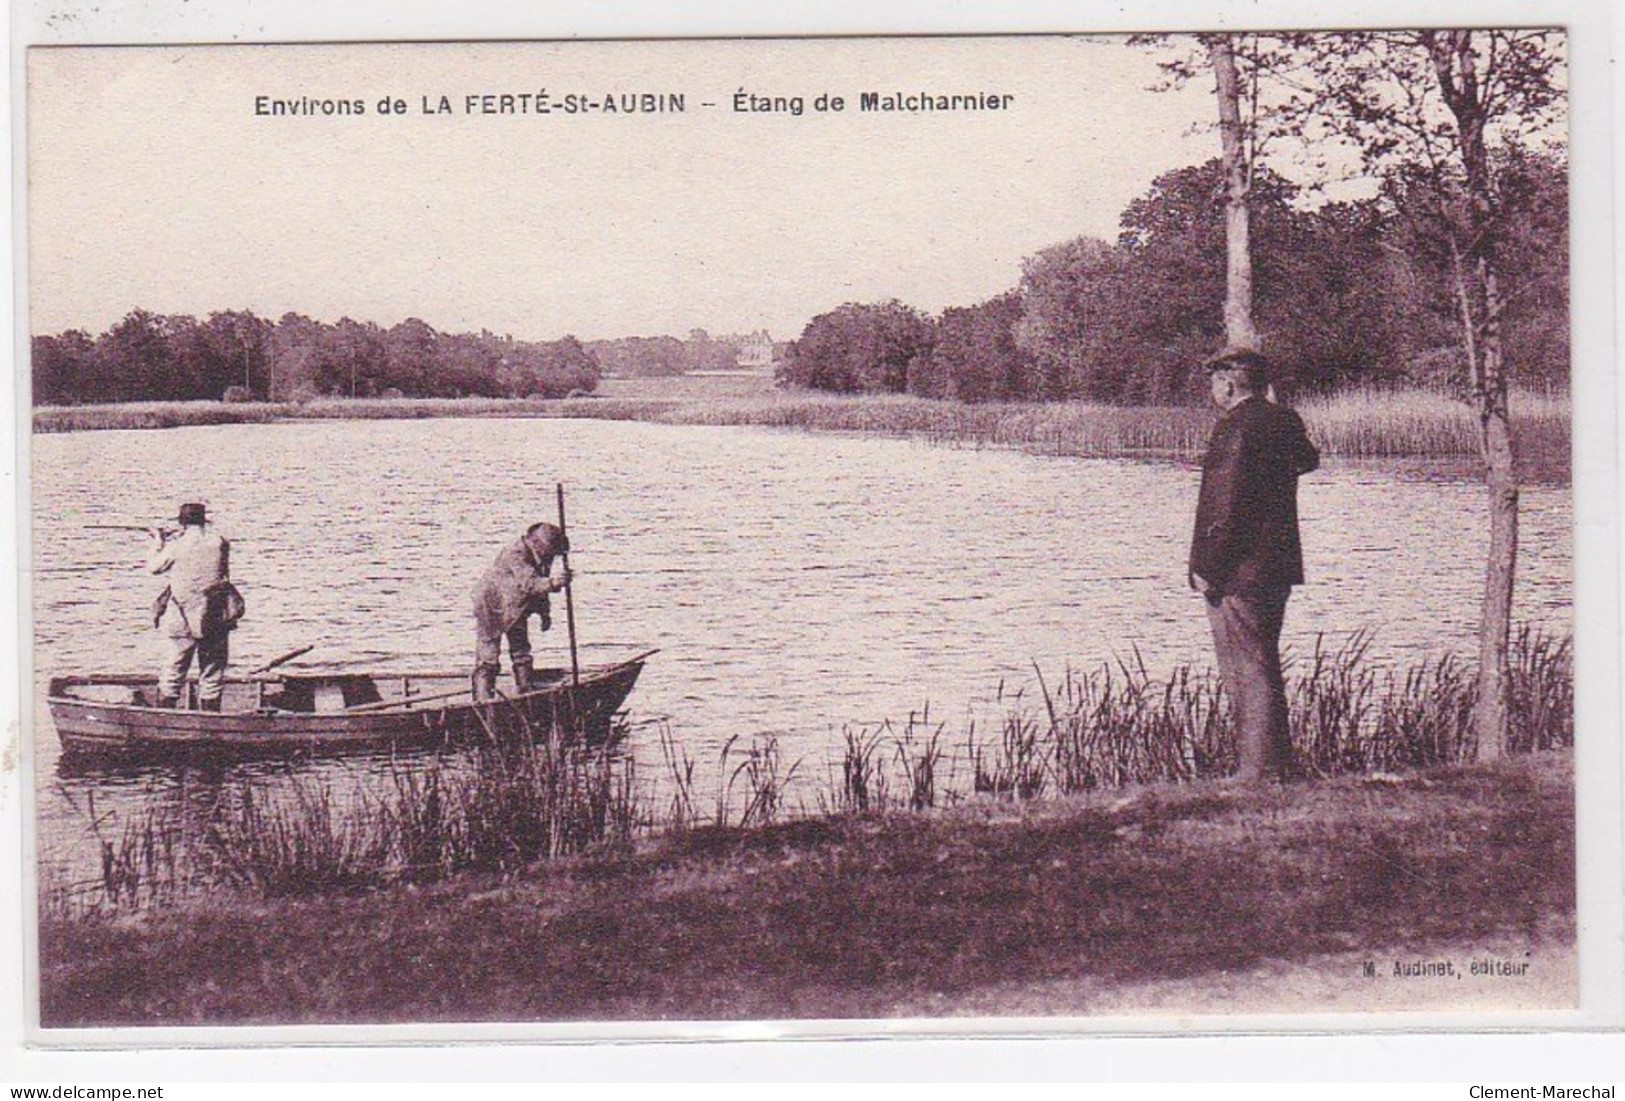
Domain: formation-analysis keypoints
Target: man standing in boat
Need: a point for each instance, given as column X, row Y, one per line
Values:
column 197, row 610
column 515, row 587
column 1246, row 553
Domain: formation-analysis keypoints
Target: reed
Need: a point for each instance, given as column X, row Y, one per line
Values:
column 153, row 414
column 188, row 414
column 1016, row 765
column 298, row 843
column 1428, row 721
column 139, row 862
column 920, row 754
column 1116, row 725
column 762, row 775
column 1406, row 423
column 1542, row 691
column 1332, row 703
column 1119, row 726
column 1348, row 713
column 495, row 810
column 1359, row 424
column 507, row 807
column 862, row 786
column 423, row 817
column 680, row 813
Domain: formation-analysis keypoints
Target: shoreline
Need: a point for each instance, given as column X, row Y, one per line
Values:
column 1064, row 907
column 1389, row 425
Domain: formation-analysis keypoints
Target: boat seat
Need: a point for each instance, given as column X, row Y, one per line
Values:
column 327, row 697
column 323, row 693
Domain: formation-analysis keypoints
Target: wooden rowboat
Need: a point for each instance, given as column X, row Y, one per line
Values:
column 294, row 713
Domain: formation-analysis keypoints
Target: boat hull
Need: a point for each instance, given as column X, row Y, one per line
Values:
column 92, row 721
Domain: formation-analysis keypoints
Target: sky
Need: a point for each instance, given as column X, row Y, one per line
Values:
column 155, row 180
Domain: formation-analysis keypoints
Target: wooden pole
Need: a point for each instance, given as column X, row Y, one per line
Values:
column 569, row 597
column 274, row 662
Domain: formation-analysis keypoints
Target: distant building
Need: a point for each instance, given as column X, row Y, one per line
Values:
column 756, row 351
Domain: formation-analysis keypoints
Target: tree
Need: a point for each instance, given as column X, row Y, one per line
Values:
column 62, row 366
column 1239, row 329
column 859, row 348
column 703, row 353
column 239, row 353
column 1126, row 323
column 975, row 356
column 132, row 360
column 1070, row 294
column 1431, row 109
column 410, row 355
column 1254, row 95
column 361, row 355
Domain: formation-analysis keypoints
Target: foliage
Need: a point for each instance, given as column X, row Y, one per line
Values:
column 975, row 356
column 1348, row 295
column 236, row 356
column 860, row 349
column 646, row 356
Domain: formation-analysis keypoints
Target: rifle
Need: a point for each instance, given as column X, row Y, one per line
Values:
column 166, row 532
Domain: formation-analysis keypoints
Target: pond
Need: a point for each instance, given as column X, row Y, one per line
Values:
column 795, row 584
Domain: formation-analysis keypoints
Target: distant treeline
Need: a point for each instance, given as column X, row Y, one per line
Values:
column 660, row 356
column 237, row 356
column 1349, row 293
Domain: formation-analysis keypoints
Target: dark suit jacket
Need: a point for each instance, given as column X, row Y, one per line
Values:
column 1246, row 538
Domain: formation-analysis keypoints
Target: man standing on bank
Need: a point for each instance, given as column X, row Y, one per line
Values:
column 1246, row 554
column 198, row 609
column 508, row 594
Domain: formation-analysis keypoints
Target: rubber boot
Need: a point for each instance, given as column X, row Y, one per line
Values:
column 524, row 675
column 485, row 683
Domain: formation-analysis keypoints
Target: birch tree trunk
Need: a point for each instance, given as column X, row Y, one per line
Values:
column 1239, row 330
column 1453, row 57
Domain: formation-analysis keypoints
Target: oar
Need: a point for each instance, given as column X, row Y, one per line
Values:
column 404, row 702
column 274, row 662
column 569, row 598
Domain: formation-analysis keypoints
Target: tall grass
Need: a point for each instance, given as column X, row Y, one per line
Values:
column 759, row 775
column 1116, row 725
column 496, row 810
column 680, row 812
column 301, row 842
column 877, row 761
column 1392, row 423
column 1121, row 726
column 1365, row 424
column 862, row 784
column 187, row 414
column 1542, row 691
column 920, row 755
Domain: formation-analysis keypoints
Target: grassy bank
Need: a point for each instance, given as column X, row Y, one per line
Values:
column 1375, row 424
column 990, row 903
column 428, row 818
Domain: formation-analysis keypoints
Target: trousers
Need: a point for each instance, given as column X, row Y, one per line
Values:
column 488, row 648
column 1247, row 642
column 211, row 654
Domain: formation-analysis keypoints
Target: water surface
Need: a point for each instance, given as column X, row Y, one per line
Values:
column 795, row 584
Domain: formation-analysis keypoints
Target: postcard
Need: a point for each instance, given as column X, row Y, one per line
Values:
column 633, row 538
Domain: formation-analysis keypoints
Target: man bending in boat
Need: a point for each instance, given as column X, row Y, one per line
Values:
column 197, row 611
column 509, row 593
